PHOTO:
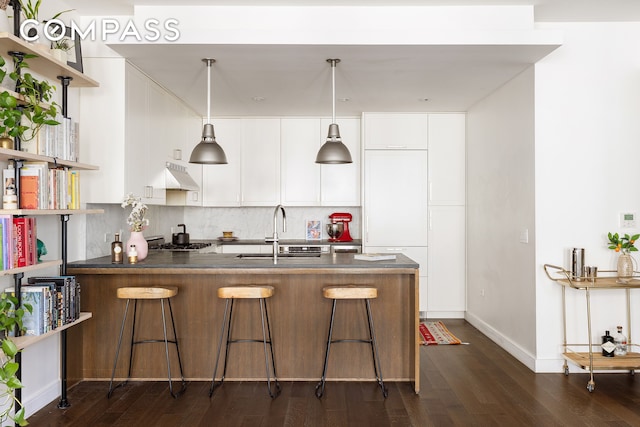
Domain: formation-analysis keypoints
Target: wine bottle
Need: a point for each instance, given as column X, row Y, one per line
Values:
column 608, row 346
column 621, row 343
column 116, row 250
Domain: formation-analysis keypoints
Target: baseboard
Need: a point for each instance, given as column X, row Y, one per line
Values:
column 509, row 346
column 442, row 314
column 43, row 396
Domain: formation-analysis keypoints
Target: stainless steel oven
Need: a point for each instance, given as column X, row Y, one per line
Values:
column 311, row 248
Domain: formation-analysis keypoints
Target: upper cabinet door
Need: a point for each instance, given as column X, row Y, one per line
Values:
column 447, row 159
column 388, row 131
column 221, row 183
column 340, row 184
column 299, row 144
column 260, row 169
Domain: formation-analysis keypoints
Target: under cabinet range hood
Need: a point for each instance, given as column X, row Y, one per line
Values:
column 177, row 178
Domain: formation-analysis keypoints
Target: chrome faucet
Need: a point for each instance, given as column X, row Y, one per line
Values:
column 274, row 239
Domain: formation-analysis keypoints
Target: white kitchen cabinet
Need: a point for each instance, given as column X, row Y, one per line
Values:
column 401, row 131
column 340, row 184
column 395, row 198
column 221, row 183
column 260, row 162
column 306, row 183
column 299, row 145
column 186, row 133
column 447, row 159
column 446, row 289
column 127, row 125
column 252, row 175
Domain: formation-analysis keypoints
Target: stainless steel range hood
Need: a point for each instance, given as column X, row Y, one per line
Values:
column 177, row 178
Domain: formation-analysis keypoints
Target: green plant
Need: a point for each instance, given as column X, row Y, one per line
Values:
column 30, row 9
column 624, row 244
column 34, row 94
column 10, row 320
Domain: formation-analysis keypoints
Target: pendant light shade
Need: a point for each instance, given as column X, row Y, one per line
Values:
column 333, row 151
column 208, row 151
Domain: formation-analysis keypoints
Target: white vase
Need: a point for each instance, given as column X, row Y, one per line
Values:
column 142, row 246
column 60, row 55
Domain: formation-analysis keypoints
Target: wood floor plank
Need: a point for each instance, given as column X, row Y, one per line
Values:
column 477, row 384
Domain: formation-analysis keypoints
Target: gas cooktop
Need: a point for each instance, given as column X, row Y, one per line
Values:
column 174, row 247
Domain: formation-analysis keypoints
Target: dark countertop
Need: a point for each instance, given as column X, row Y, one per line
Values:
column 168, row 260
column 285, row 242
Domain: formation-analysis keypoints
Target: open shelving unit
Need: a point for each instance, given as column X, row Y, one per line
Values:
column 51, row 69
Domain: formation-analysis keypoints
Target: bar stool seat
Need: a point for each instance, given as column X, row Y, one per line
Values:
column 230, row 294
column 148, row 293
column 352, row 292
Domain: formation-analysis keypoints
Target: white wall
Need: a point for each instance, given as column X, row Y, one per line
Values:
column 500, row 205
column 586, row 146
column 587, row 150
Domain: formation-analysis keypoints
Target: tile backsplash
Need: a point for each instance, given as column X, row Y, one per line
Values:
column 209, row 223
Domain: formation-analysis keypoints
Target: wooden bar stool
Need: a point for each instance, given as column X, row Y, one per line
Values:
column 351, row 292
column 260, row 293
column 148, row 293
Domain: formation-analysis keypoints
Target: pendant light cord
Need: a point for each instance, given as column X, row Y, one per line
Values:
column 209, row 92
column 333, row 85
column 209, row 61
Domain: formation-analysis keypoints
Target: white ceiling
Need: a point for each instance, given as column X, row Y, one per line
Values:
column 296, row 80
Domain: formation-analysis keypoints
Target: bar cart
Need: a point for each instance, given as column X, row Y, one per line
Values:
column 590, row 360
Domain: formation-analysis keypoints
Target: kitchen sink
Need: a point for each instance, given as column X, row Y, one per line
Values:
column 288, row 255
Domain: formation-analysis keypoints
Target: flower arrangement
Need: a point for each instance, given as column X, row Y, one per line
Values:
column 624, row 244
column 136, row 218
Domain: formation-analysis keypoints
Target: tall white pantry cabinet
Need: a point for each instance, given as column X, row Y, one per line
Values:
column 413, row 200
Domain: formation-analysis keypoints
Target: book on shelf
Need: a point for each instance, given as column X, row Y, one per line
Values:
column 59, row 141
column 34, row 178
column 7, row 241
column 68, row 296
column 374, row 257
column 41, row 298
column 20, row 230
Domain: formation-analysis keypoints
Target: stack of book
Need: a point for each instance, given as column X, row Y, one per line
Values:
column 19, row 241
column 55, row 301
column 44, row 187
column 59, row 141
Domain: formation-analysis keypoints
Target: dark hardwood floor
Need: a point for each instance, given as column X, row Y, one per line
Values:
column 477, row 384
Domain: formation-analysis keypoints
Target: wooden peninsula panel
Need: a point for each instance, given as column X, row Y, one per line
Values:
column 298, row 312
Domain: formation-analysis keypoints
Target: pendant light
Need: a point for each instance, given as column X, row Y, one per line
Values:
column 333, row 151
column 208, row 152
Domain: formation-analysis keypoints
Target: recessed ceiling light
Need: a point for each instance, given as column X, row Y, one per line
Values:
column 258, row 98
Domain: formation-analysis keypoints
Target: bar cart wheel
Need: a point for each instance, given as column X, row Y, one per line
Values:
column 591, row 385
column 566, row 369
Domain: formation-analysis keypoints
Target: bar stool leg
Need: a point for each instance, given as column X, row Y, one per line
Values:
column 113, row 371
column 224, row 324
column 265, row 317
column 166, row 347
column 133, row 334
column 320, row 386
column 374, row 350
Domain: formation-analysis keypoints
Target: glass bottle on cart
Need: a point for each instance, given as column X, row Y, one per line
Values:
column 621, row 343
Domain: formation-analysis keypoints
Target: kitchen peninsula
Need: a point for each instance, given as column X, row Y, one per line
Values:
column 299, row 316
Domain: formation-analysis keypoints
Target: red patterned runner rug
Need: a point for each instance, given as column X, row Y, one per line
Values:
column 435, row 333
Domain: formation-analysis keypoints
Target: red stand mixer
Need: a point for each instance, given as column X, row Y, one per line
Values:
column 338, row 229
